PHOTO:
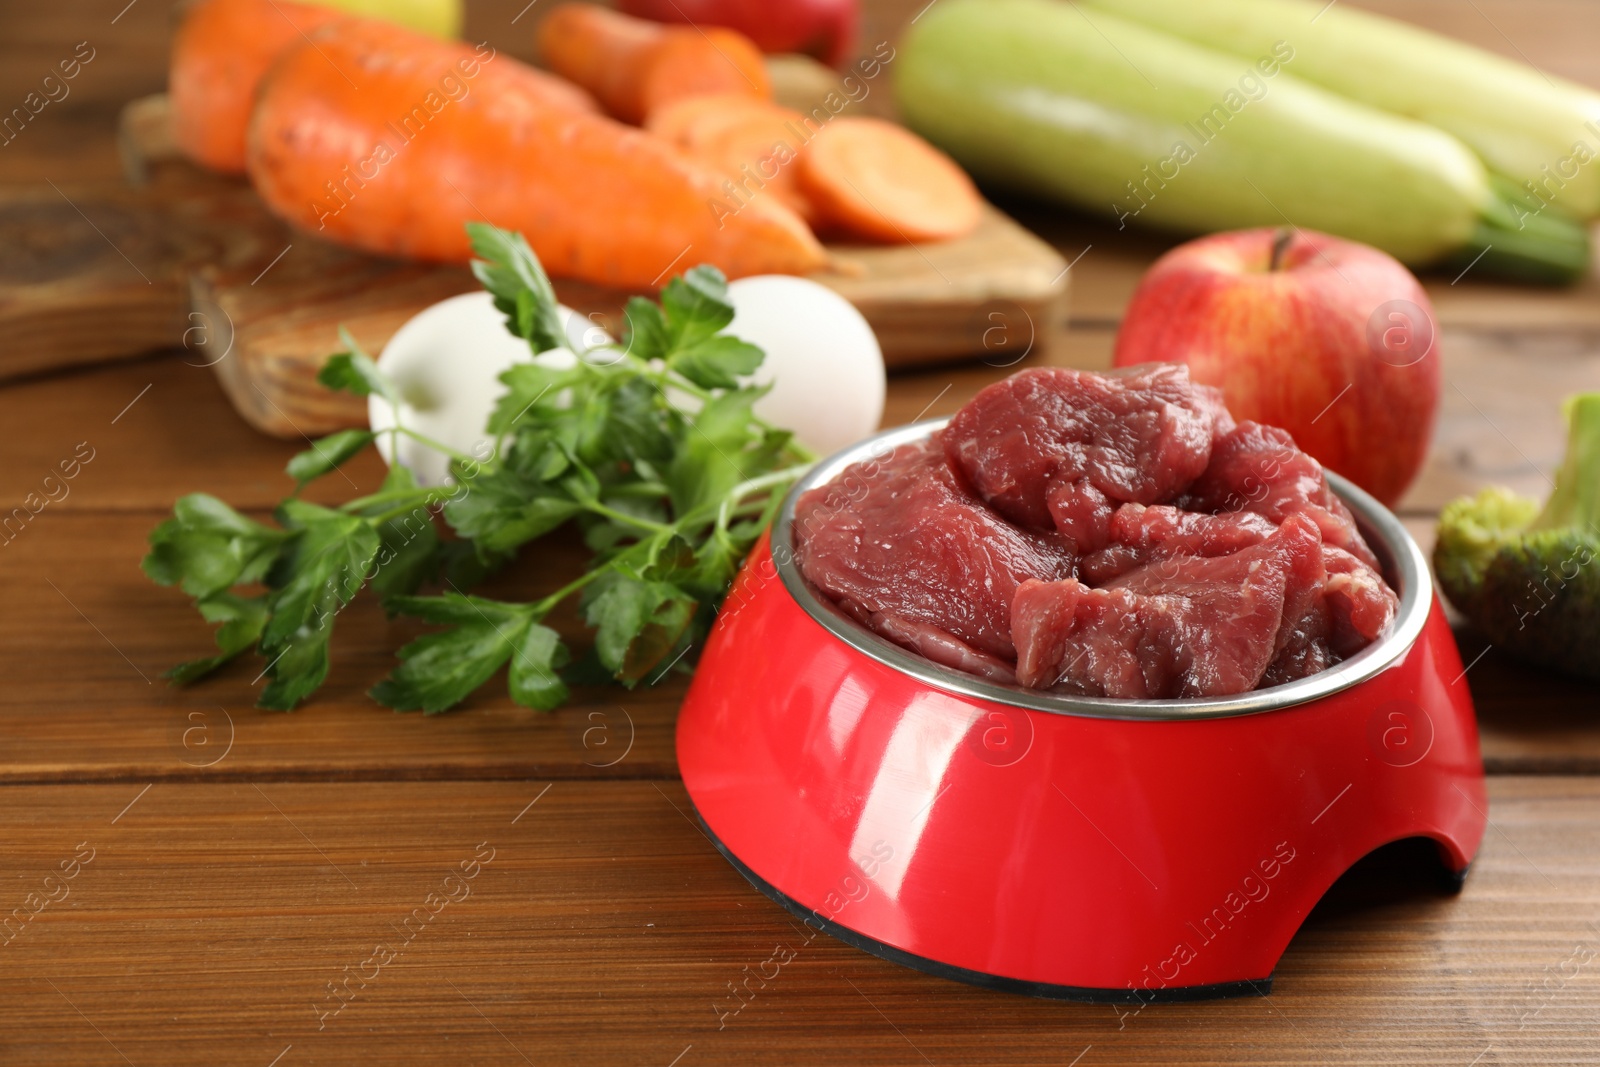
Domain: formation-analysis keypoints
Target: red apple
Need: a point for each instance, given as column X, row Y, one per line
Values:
column 822, row 28
column 1329, row 339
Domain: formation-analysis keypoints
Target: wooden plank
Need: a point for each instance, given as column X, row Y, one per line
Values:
column 1500, row 413
column 86, row 636
column 1499, row 420
column 181, row 435
column 158, row 428
column 603, row 928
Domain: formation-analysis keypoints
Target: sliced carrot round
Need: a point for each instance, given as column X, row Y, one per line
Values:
column 879, row 181
column 690, row 116
column 758, row 151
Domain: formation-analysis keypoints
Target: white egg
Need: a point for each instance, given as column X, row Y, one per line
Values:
column 446, row 361
column 821, row 353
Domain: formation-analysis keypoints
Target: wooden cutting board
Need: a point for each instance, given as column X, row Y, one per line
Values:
column 183, row 257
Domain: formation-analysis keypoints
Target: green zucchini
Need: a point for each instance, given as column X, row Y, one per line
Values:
column 1078, row 105
column 1540, row 131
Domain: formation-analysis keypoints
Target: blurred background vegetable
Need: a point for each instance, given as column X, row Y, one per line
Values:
column 825, row 29
column 1063, row 101
column 442, row 18
column 1538, row 130
column 1529, row 577
column 633, row 66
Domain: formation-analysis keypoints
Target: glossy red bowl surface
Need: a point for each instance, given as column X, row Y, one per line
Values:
column 1062, row 846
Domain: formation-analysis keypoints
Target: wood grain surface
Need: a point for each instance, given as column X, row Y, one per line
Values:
column 100, row 633
column 243, row 860
column 600, row 926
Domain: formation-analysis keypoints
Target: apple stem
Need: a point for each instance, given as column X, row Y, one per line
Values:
column 1280, row 245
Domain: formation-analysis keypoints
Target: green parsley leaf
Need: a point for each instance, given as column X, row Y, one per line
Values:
column 637, row 623
column 534, row 679
column 321, row 571
column 528, row 384
column 242, row 619
column 297, row 666
column 439, row 670
column 327, row 454
column 522, row 291
column 647, row 337
column 696, row 305
column 642, row 425
column 717, row 362
column 408, row 554
column 206, row 547
column 353, row 371
column 411, row 551
column 504, row 510
column 715, row 455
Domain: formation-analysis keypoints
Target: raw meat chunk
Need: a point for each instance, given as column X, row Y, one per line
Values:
column 1114, row 535
column 1305, row 648
column 1139, row 535
column 930, row 642
column 1361, row 606
column 1354, row 607
column 901, row 545
column 1188, row 626
column 1258, row 469
column 1064, row 448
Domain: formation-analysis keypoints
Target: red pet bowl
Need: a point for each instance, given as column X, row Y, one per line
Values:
column 1073, row 847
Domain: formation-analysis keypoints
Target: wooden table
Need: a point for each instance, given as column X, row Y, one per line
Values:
column 229, row 865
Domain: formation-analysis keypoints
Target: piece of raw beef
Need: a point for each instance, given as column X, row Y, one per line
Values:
column 1062, row 448
column 1187, row 626
column 900, row 544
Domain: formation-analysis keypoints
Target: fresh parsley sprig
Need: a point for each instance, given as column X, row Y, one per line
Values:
column 651, row 448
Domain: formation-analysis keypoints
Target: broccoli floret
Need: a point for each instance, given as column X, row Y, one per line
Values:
column 1529, row 577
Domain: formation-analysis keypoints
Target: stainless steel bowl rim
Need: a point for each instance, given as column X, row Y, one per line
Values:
column 1406, row 562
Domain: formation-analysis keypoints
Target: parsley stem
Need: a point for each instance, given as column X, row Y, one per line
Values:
column 383, row 498
column 642, row 490
column 542, row 607
column 744, row 489
column 630, row 520
column 405, row 509
column 437, row 446
column 800, row 451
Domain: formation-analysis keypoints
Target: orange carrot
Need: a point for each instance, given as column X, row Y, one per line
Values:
column 692, row 62
column 390, row 141
column 754, row 144
column 219, row 53
column 675, row 120
column 634, row 67
column 880, row 181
